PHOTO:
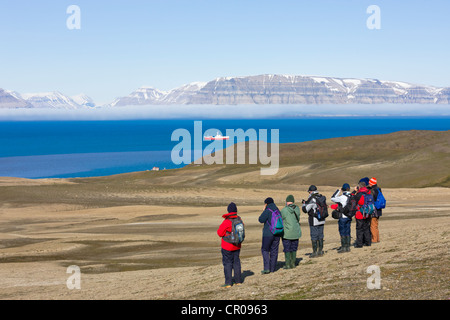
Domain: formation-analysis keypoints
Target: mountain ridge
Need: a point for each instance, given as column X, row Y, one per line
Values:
column 44, row 100
column 290, row 89
column 250, row 90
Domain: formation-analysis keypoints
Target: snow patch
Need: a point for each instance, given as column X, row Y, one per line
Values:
column 320, row 80
column 353, row 82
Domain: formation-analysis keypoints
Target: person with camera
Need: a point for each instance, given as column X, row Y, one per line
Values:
column 341, row 198
column 316, row 208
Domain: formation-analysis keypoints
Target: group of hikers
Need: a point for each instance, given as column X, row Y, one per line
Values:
column 365, row 203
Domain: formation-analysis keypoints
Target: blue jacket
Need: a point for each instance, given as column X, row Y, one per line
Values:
column 375, row 189
column 265, row 218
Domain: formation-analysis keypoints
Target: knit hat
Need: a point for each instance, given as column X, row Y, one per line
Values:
column 346, row 187
column 372, row 182
column 268, row 200
column 290, row 198
column 232, row 207
column 312, row 188
column 365, row 180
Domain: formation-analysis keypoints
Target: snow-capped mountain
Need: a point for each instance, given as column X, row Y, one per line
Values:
column 289, row 89
column 142, row 96
column 49, row 100
column 54, row 100
column 83, row 100
column 11, row 99
column 183, row 94
column 260, row 89
column 150, row 95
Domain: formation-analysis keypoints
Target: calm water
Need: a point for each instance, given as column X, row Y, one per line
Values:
column 43, row 149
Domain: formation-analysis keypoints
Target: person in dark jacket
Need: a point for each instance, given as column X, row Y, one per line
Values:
column 316, row 226
column 375, row 218
column 270, row 243
column 230, row 252
column 363, row 235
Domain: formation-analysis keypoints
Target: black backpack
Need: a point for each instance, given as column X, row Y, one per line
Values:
column 322, row 208
column 351, row 207
column 337, row 213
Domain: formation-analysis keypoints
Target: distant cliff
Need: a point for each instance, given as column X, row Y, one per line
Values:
column 286, row 89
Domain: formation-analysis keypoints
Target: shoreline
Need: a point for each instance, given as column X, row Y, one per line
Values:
column 91, row 162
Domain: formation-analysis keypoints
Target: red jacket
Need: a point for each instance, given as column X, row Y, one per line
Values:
column 362, row 191
column 225, row 229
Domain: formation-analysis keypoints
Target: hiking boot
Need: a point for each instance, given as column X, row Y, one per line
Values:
column 287, row 260
column 314, row 246
column 265, row 272
column 347, row 244
column 343, row 245
column 320, row 251
column 293, row 258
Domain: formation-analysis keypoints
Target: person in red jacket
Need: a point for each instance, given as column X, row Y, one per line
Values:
column 363, row 235
column 230, row 252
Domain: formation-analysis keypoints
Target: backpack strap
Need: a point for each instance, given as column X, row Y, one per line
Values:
column 231, row 220
column 229, row 232
column 268, row 220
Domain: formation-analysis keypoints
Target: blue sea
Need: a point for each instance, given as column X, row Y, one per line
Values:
column 63, row 149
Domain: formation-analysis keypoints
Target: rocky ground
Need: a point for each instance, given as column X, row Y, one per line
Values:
column 148, row 251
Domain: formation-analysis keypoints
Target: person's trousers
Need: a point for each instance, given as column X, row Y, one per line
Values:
column 374, row 230
column 363, row 235
column 231, row 261
column 290, row 245
column 344, row 226
column 269, row 250
column 316, row 232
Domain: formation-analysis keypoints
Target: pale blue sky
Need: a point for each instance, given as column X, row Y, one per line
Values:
column 123, row 45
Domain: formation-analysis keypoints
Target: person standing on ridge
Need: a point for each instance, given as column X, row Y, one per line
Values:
column 270, row 242
column 230, row 252
column 344, row 222
column 292, row 231
column 379, row 205
column 316, row 223
column 363, row 235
